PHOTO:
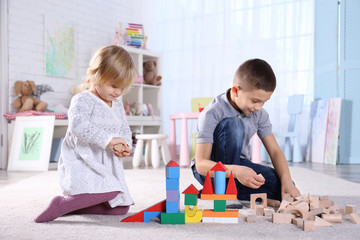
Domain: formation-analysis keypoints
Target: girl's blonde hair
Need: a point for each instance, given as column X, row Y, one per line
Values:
column 112, row 65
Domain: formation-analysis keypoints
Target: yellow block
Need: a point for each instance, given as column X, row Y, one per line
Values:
column 227, row 213
column 196, row 218
column 189, row 212
column 218, row 197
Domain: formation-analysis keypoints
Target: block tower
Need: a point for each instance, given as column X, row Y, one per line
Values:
column 194, row 214
column 172, row 214
column 222, row 193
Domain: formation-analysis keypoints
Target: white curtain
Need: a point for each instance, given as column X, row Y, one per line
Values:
column 203, row 42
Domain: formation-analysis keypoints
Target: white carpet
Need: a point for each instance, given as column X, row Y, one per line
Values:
column 22, row 201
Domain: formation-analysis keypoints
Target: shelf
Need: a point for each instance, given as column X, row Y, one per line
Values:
column 144, row 120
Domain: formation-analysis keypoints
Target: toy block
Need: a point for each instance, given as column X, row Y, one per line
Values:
column 218, row 197
column 283, row 205
column 191, row 190
column 325, row 197
column 172, row 195
column 219, row 166
column 314, row 203
column 309, row 225
column 172, row 183
column 273, row 203
column 207, row 187
column 259, row 210
column 342, row 211
column 190, row 212
column 208, row 219
column 228, row 213
column 190, row 199
column 333, row 218
column 219, row 205
column 303, row 206
column 317, row 211
column 310, row 216
column 354, row 218
column 350, row 209
column 139, row 217
column 333, row 209
column 268, row 212
column 172, row 163
column 149, row 215
column 231, row 186
column 220, row 182
column 251, row 218
column 225, row 220
column 173, row 218
column 326, row 203
column 297, row 211
column 319, row 222
column 288, row 197
column 282, row 218
column 255, row 196
column 172, row 172
column 299, row 222
column 196, row 218
column 172, row 207
column 118, row 147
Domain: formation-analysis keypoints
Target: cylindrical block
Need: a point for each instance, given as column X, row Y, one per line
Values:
column 220, row 182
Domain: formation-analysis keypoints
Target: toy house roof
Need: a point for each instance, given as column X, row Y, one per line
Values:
column 219, row 167
column 191, row 190
column 172, row 163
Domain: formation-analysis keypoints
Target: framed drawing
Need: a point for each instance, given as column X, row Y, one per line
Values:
column 31, row 143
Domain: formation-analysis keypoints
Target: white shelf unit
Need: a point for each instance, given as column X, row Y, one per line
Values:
column 145, row 94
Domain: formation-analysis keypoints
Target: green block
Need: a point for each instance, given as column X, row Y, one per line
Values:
column 190, row 199
column 219, row 205
column 173, row 218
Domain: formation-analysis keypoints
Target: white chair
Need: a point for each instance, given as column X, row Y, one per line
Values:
column 151, row 150
column 295, row 107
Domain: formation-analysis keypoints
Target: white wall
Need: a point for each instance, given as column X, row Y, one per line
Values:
column 94, row 22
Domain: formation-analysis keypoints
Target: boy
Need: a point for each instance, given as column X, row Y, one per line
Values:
column 226, row 126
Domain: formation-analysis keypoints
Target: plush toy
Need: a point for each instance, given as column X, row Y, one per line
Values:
column 27, row 102
column 150, row 76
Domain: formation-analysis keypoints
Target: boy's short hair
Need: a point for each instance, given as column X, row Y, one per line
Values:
column 255, row 73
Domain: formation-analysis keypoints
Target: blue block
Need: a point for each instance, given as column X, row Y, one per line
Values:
column 149, row 215
column 172, row 207
column 56, row 149
column 172, row 172
column 220, row 182
column 172, row 183
column 172, row 195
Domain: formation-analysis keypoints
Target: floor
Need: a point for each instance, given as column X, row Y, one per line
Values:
column 347, row 172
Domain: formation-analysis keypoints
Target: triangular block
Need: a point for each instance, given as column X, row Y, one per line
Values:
column 172, row 163
column 191, row 190
column 208, row 187
column 231, row 187
column 139, row 217
column 219, row 167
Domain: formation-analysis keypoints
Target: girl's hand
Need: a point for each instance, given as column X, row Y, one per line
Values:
column 248, row 177
column 119, row 147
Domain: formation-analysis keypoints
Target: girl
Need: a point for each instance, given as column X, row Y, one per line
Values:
column 90, row 167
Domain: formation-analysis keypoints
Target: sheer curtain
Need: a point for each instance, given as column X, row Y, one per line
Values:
column 204, row 41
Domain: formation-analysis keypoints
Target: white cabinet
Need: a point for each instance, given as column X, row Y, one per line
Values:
column 145, row 94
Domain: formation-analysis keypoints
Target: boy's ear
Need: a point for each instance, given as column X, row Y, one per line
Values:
column 235, row 88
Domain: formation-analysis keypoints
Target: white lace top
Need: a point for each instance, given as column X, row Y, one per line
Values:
column 86, row 165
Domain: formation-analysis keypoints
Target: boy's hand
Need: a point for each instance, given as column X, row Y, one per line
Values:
column 289, row 188
column 248, row 177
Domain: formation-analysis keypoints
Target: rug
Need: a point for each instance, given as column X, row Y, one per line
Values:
column 22, row 201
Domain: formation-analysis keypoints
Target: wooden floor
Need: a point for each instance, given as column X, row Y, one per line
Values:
column 347, row 172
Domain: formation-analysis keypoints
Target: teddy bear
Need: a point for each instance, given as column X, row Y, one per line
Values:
column 150, row 76
column 27, row 102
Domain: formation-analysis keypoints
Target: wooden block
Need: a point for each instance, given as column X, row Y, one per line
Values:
column 333, row 218
column 190, row 199
column 195, row 218
column 314, row 203
column 298, row 212
column 273, row 203
column 283, row 205
column 219, row 206
column 350, row 209
column 218, row 197
column 319, row 222
column 268, row 212
column 324, row 197
column 190, row 212
column 342, row 211
column 326, row 203
column 227, row 213
column 118, row 147
column 251, row 218
column 225, row 220
column 333, row 209
column 309, row 225
column 303, row 206
column 149, row 215
column 354, row 218
column 173, row 218
column 317, row 211
column 310, row 216
column 139, row 217
column 282, row 218
column 259, row 210
column 255, row 196
column 299, row 222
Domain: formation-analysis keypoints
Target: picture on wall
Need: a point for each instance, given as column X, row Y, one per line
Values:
column 59, row 47
column 31, row 143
